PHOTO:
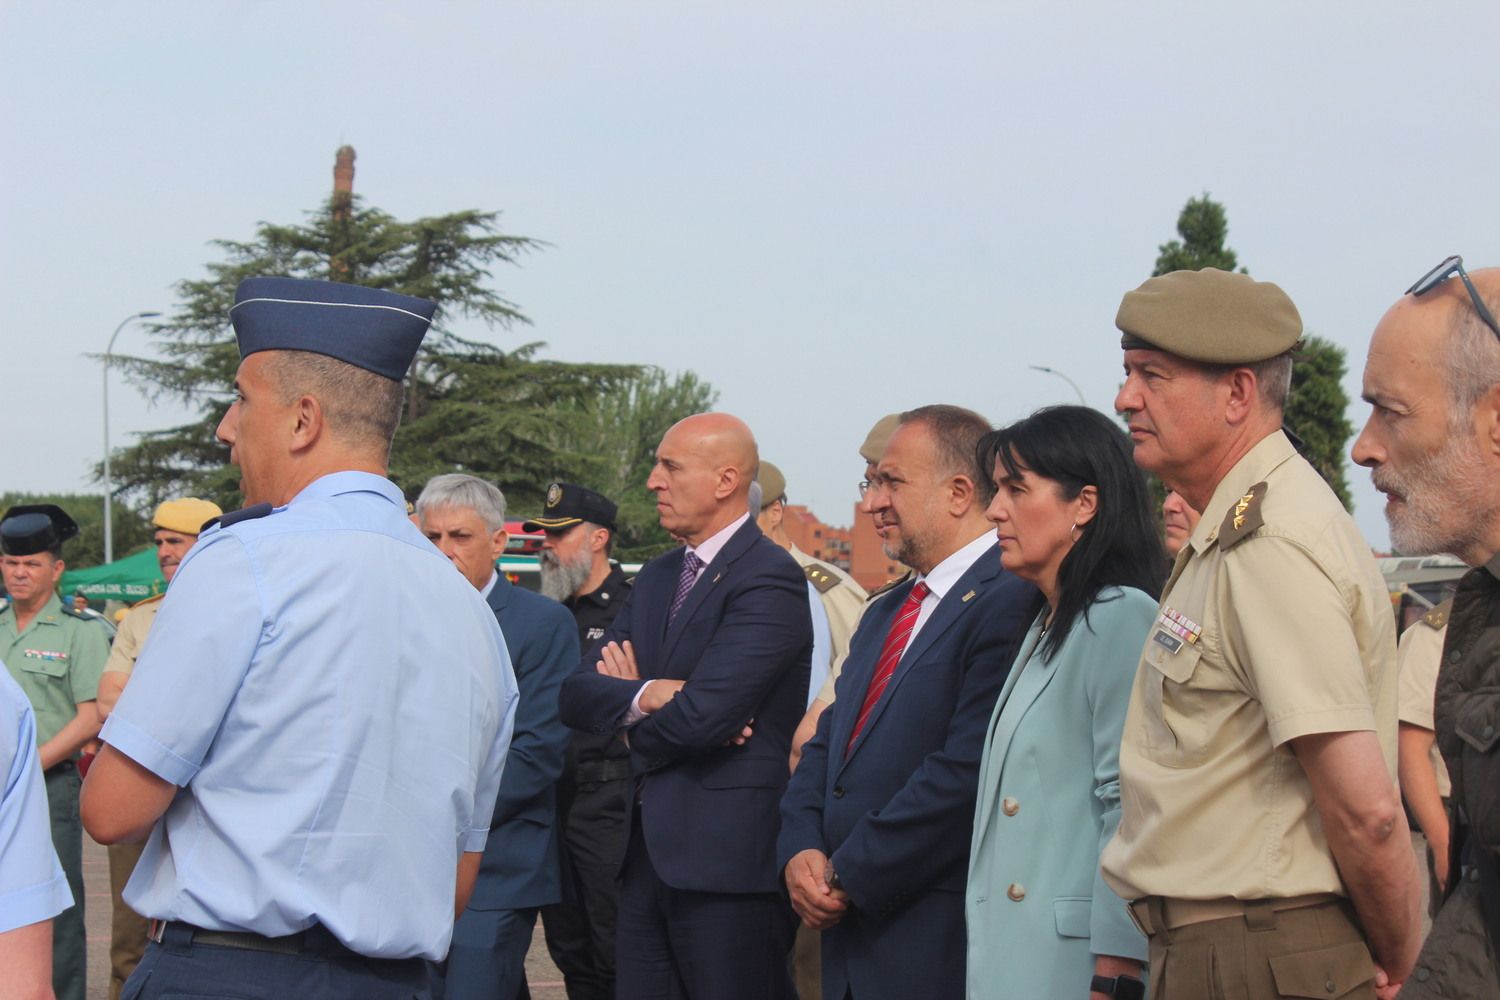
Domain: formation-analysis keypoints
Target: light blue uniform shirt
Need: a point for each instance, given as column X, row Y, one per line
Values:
column 822, row 651
column 32, row 885
column 335, row 701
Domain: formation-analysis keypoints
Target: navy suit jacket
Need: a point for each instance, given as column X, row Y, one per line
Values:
column 520, row 867
column 742, row 641
column 895, row 813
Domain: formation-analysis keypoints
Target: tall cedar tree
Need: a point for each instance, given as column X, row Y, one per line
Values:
column 506, row 416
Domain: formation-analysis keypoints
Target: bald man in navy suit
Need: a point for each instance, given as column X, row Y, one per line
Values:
column 706, row 668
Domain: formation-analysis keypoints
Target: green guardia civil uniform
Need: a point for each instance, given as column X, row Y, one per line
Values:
column 57, row 660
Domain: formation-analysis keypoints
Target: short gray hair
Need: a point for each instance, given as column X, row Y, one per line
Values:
column 454, row 489
column 1273, row 379
column 1472, row 359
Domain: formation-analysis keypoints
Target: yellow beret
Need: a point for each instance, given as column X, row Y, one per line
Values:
column 185, row 516
column 772, row 484
column 1210, row 316
column 879, row 437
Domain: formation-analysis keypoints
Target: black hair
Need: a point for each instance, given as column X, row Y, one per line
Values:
column 1074, row 447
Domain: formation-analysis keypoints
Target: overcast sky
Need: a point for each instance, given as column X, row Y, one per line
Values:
column 829, row 211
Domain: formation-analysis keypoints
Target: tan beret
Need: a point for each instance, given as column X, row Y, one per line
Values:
column 185, row 516
column 1210, row 316
column 879, row 437
column 772, row 484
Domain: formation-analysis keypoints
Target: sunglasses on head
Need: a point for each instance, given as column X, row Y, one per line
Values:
column 1444, row 271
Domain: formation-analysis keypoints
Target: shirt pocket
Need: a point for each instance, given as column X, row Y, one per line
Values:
column 1172, row 736
column 45, row 666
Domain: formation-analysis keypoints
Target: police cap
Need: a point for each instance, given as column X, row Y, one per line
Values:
column 369, row 328
column 29, row 528
column 569, row 504
column 1209, row 316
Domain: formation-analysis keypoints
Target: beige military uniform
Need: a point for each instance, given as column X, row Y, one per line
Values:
column 1275, row 624
column 132, row 635
column 843, row 602
column 1419, row 653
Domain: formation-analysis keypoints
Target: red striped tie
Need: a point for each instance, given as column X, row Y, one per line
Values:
column 890, row 655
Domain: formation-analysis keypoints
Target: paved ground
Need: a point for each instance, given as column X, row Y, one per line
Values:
column 546, row 982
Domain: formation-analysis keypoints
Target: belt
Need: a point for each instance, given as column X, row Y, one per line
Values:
column 316, row 940
column 589, row 771
column 1155, row 914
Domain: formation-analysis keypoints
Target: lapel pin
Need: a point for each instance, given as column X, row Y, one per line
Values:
column 717, row 577
column 969, row 596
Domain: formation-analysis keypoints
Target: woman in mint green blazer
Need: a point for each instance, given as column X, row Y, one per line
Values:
column 1073, row 516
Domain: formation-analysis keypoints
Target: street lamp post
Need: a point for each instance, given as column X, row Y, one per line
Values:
column 109, row 534
column 1054, row 371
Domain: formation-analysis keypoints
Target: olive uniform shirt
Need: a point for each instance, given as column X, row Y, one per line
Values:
column 57, row 661
column 1275, row 624
column 1419, row 652
column 132, row 636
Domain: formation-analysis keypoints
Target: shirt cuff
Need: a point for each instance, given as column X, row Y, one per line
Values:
column 136, row 744
column 636, row 714
column 1344, row 719
column 476, row 840
column 35, row 903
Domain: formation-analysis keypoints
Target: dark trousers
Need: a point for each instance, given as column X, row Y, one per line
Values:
column 69, row 960
column 678, row 944
column 487, row 960
column 1264, row 954
column 581, row 930
column 181, row 968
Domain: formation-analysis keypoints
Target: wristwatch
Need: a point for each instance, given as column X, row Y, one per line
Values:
column 1119, row 987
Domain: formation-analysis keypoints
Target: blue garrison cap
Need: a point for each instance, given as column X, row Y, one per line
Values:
column 369, row 328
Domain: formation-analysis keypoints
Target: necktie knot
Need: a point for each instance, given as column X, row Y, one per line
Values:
column 919, row 592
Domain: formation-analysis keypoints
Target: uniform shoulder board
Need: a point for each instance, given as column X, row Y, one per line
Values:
column 817, row 574
column 236, row 516
column 888, row 586
column 149, row 600
column 1438, row 616
column 83, row 616
column 1243, row 518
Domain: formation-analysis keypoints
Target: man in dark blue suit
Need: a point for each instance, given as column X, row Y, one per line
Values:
column 707, row 668
column 875, row 826
column 519, row 872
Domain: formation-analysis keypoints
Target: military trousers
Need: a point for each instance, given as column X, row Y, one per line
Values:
column 69, row 942
column 1272, row 948
column 581, row 930
column 127, row 928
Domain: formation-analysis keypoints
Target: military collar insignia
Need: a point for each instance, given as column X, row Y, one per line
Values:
column 1243, row 518
column 818, row 575
column 1438, row 617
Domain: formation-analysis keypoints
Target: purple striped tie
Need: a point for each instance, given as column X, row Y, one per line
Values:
column 691, row 564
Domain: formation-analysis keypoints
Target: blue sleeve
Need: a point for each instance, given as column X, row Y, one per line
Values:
column 32, row 885
column 590, row 701
column 764, row 630
column 194, row 661
column 492, row 773
column 822, row 650
column 544, row 653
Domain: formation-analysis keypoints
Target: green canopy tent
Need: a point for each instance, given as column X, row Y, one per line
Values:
column 131, row 579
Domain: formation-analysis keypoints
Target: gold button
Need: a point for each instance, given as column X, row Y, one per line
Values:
column 1016, row 891
column 1009, row 806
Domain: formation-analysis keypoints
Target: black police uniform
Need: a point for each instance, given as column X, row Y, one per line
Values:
column 592, row 801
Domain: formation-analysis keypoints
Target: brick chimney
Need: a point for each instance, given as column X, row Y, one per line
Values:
column 342, row 210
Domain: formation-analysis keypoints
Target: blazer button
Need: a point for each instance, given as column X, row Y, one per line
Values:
column 1017, row 891
column 838, row 791
column 1009, row 806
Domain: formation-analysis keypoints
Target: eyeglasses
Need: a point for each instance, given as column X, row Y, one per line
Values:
column 1442, row 273
column 865, row 486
